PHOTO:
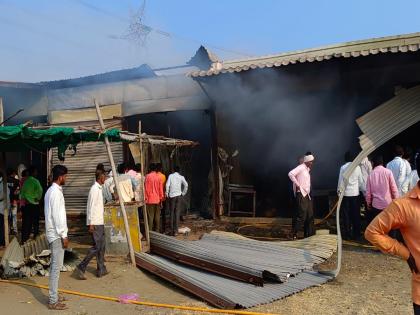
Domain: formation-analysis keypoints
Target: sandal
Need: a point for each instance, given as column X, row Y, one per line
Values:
column 62, row 299
column 57, row 306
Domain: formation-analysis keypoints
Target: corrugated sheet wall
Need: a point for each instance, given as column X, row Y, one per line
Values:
column 82, row 171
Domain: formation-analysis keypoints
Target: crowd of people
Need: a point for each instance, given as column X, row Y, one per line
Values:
column 402, row 215
column 374, row 185
column 25, row 192
column 24, row 196
column 391, row 195
column 154, row 188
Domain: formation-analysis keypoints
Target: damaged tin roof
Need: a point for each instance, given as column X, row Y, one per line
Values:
column 391, row 44
column 224, row 292
column 218, row 268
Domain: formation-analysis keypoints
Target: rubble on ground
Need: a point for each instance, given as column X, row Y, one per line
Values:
column 32, row 258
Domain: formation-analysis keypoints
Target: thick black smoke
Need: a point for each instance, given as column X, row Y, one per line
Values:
column 273, row 118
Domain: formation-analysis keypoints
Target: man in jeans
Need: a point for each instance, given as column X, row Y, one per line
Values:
column 56, row 231
column 176, row 186
column 95, row 221
column 32, row 194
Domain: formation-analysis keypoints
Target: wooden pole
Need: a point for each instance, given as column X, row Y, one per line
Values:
column 3, row 171
column 217, row 210
column 5, row 197
column 114, row 172
column 215, row 164
column 142, row 161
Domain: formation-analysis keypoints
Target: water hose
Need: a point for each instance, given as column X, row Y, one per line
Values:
column 328, row 215
column 143, row 303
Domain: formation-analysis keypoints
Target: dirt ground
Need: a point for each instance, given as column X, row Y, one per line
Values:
column 369, row 283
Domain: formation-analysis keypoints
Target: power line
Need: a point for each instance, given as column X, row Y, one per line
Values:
column 147, row 29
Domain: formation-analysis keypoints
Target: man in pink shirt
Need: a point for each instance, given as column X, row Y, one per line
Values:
column 301, row 180
column 381, row 188
column 153, row 195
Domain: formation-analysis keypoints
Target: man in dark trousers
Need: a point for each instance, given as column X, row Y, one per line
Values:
column 95, row 221
column 301, row 179
column 31, row 193
column 351, row 201
column 176, row 187
column 153, row 196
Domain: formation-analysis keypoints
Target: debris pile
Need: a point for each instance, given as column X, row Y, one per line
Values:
column 32, row 258
column 231, row 271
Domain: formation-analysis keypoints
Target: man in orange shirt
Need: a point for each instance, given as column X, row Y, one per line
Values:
column 153, row 195
column 402, row 214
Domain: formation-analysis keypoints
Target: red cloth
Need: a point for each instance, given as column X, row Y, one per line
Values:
column 153, row 189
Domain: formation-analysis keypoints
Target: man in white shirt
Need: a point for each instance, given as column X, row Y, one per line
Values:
column 108, row 188
column 176, row 186
column 351, row 202
column 412, row 179
column 126, row 182
column 56, row 231
column 95, row 221
column 139, row 189
column 366, row 168
column 399, row 168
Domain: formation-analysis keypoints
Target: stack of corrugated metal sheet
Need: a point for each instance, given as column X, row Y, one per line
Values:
column 321, row 245
column 257, row 261
column 224, row 292
column 218, row 267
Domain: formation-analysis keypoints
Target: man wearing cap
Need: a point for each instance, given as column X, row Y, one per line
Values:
column 301, row 179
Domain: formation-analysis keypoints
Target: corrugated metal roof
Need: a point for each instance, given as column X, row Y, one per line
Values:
column 143, row 71
column 16, row 254
column 35, row 246
column 320, row 245
column 244, row 259
column 392, row 44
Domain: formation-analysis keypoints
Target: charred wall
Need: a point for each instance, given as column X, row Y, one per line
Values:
column 189, row 125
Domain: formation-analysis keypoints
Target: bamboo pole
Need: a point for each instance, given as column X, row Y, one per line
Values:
column 142, row 161
column 5, row 197
column 3, row 171
column 114, row 172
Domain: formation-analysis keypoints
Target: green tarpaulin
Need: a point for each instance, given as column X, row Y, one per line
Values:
column 22, row 138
